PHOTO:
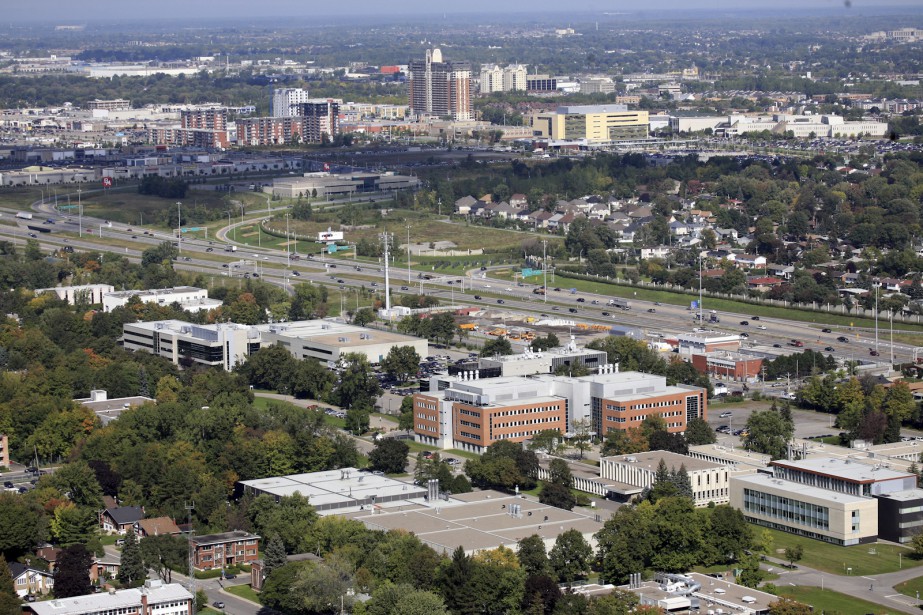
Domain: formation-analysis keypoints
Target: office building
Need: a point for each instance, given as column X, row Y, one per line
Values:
column 730, row 365
column 153, row 598
column 333, row 185
column 597, row 85
column 835, row 500
column 541, row 84
column 187, row 297
column 320, row 117
column 544, row 362
column 227, row 344
column 471, row 413
column 91, row 294
column 118, row 104
column 283, row 101
column 592, row 124
column 439, row 89
column 710, row 481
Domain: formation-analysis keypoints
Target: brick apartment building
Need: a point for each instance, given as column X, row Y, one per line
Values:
column 225, row 549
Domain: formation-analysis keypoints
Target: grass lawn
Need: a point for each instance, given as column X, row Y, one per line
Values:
column 913, row 587
column 244, row 591
column 836, row 559
column 725, row 305
column 21, row 197
column 385, row 417
column 826, row 601
column 108, row 539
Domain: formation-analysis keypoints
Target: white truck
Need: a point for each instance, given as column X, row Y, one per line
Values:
column 230, row 248
column 24, row 215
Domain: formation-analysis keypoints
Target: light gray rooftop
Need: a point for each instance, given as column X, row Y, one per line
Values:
column 122, row 599
column 759, row 481
column 844, row 469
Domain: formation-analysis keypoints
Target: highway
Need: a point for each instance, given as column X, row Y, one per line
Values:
column 276, row 267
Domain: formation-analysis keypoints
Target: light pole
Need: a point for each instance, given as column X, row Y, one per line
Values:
column 288, row 252
column 179, row 226
column 80, row 211
column 544, row 270
column 876, row 317
column 408, row 254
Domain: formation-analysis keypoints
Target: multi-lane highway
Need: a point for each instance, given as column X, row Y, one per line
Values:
column 474, row 288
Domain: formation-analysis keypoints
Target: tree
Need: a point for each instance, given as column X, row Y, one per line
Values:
column 405, row 420
column 559, row 473
column 698, row 431
column 72, row 577
column 454, row 581
column 10, row 602
column 558, row 496
column 24, row 525
column 322, row 588
column 787, row 606
column 793, row 554
column 274, row 557
column 768, row 433
column 389, row 456
column 72, row 524
column 77, row 481
column 570, row 556
column 547, row 441
column 358, row 386
column 364, row 316
column 358, row 420
column 163, row 554
column 131, row 571
column 292, row 519
column 582, row 436
column 729, row 534
column 532, row 556
column 401, row 363
column 750, row 574
column 540, row 595
column 496, row 346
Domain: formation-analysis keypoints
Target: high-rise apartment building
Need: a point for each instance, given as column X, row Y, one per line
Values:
column 441, row 89
column 211, row 118
column 497, row 79
column 321, row 116
column 283, row 101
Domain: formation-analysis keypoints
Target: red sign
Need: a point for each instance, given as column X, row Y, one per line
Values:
column 326, row 166
column 107, row 182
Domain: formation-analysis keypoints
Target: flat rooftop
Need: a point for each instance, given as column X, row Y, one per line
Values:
column 904, row 496
column 765, row 481
column 335, row 489
column 155, row 292
column 129, row 599
column 481, row 520
column 651, row 459
column 844, row 469
column 731, row 455
column 330, row 332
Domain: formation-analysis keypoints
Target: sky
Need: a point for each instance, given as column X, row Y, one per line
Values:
column 59, row 11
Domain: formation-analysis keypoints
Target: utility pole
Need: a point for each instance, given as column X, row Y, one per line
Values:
column 387, row 253
column 179, row 226
column 189, row 508
column 408, row 254
column 288, row 251
column 701, row 319
column 876, row 316
column 80, row 211
column 545, row 270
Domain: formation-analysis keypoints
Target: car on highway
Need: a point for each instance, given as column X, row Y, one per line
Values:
column 557, row 290
column 374, row 283
column 341, row 282
column 225, row 265
column 745, row 323
column 761, row 327
column 206, row 249
column 555, row 308
column 581, row 300
column 332, row 266
column 826, row 331
column 873, row 352
column 33, row 235
column 406, row 288
column 483, row 268
column 134, row 236
column 572, row 310
column 829, row 349
column 476, row 297
column 777, row 345
column 501, row 301
column 651, row 311
column 606, row 314
column 843, row 339
column 725, row 415
column 297, row 274
column 744, row 334
column 8, row 484
column 754, row 318
column 508, row 289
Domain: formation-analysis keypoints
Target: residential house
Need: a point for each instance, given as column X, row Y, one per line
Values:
column 464, row 204
column 849, row 279
column 49, row 554
column 540, row 218
column 120, row 519
column 156, row 526
column 726, row 234
column 28, row 580
column 750, row 261
column 598, row 211
column 763, row 283
column 104, row 568
column 781, row 271
column 519, row 200
column 656, row 252
column 225, row 549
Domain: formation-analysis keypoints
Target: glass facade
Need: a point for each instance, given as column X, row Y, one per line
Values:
column 791, row 511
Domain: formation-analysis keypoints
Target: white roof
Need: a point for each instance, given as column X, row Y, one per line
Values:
column 125, row 598
column 844, row 469
column 764, row 481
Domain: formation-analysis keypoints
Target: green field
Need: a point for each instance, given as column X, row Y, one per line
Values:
column 913, row 587
column 724, row 305
column 243, row 591
column 836, row 560
column 826, row 601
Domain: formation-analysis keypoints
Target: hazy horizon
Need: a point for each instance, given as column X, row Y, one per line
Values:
column 67, row 11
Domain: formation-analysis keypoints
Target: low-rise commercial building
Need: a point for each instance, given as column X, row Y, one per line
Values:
column 592, row 124
column 188, row 297
column 329, row 185
column 731, row 365
column 154, row 598
column 710, row 481
column 690, row 344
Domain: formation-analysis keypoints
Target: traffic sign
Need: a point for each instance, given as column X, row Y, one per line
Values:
column 107, row 182
column 67, row 206
column 193, row 228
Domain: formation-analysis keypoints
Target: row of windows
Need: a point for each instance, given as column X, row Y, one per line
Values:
column 711, row 494
column 427, row 417
column 470, row 424
column 466, row 412
column 544, row 419
column 519, row 434
column 473, row 436
column 426, row 405
column 423, row 427
column 527, row 411
column 793, row 511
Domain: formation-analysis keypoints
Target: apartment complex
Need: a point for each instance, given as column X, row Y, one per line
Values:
column 471, row 413
column 502, row 79
column 212, row 118
column 268, row 130
column 283, row 101
column 320, row 116
column 438, row 88
column 4, row 450
column 117, row 104
column 592, row 124
column 225, row 549
column 835, row 500
column 154, row 598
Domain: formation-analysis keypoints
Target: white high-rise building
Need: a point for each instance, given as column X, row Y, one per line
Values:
column 283, row 101
column 514, row 78
column 496, row 79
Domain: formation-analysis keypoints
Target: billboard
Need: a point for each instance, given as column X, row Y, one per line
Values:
column 329, row 235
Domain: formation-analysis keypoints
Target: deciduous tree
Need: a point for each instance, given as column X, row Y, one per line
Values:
column 389, row 456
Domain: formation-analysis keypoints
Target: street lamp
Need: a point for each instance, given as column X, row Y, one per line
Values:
column 288, row 252
column 179, row 226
